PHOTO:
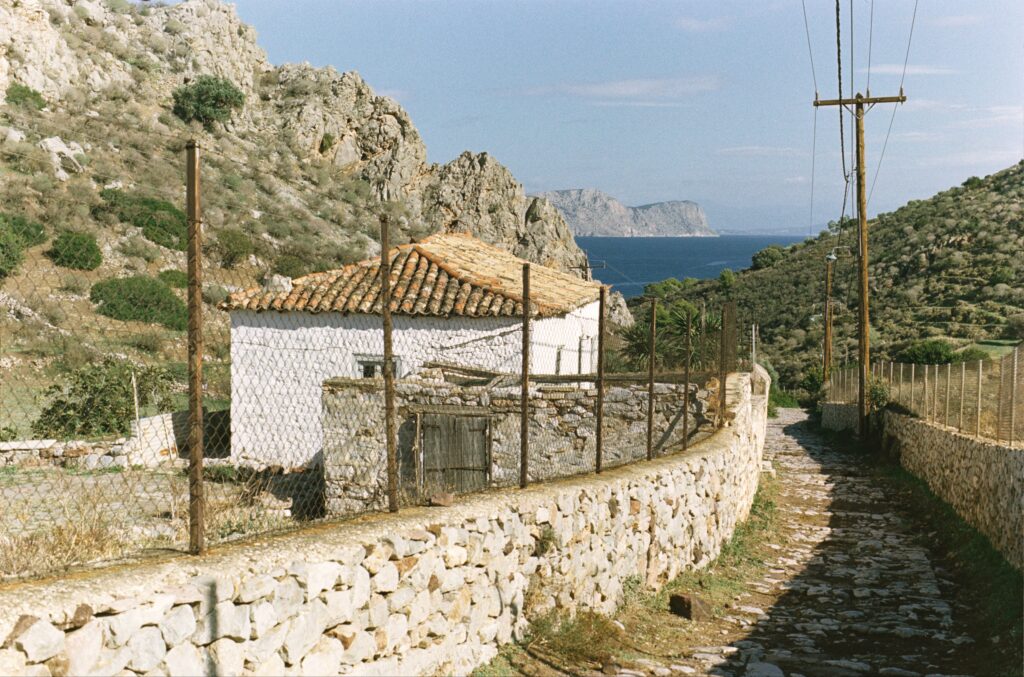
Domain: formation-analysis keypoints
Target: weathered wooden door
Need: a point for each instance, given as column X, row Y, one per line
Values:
column 455, row 454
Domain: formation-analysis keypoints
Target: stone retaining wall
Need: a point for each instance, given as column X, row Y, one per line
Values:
column 562, row 431
column 423, row 591
column 981, row 479
column 839, row 416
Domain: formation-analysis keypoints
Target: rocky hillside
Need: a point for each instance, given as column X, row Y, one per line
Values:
column 590, row 212
column 97, row 100
column 946, row 267
column 105, row 65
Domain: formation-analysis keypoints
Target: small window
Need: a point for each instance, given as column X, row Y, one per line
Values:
column 372, row 366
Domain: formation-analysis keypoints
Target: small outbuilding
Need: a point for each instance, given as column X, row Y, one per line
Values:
column 455, row 299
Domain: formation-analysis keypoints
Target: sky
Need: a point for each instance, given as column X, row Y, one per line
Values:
column 704, row 101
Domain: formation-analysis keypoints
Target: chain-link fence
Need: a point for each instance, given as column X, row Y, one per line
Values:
column 984, row 398
column 201, row 384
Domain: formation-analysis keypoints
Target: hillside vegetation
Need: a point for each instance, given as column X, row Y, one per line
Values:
column 97, row 101
column 949, row 267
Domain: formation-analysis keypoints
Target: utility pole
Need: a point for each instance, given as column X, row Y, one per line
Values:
column 827, row 357
column 861, row 104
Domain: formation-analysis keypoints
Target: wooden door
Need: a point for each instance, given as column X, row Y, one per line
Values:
column 455, row 453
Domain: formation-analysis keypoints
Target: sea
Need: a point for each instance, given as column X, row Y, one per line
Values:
column 630, row 263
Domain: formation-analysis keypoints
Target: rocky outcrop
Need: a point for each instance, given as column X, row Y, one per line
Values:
column 81, row 51
column 593, row 213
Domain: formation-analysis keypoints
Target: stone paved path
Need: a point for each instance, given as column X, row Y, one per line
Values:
column 849, row 587
column 852, row 591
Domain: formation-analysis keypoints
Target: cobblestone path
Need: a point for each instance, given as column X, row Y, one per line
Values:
column 848, row 587
column 853, row 590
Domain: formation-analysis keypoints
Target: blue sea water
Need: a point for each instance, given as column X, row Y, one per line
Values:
column 632, row 262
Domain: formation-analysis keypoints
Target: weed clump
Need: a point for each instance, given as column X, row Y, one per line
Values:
column 24, row 96
column 139, row 298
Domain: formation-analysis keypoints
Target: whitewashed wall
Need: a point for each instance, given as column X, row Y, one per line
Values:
column 280, row 360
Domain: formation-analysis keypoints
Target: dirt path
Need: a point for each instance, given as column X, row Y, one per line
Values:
column 841, row 584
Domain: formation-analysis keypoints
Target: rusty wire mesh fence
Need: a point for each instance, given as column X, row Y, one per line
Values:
column 983, row 398
column 168, row 384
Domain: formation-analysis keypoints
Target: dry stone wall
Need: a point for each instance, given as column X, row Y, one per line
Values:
column 426, row 591
column 981, row 479
column 839, row 416
column 563, row 427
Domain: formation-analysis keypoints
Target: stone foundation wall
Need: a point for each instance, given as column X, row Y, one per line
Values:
column 424, row 591
column 838, row 416
column 981, row 479
column 562, row 431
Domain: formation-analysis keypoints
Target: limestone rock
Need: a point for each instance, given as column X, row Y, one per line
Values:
column 690, row 606
column 83, row 647
column 147, row 649
column 184, row 660
column 178, row 625
column 38, row 639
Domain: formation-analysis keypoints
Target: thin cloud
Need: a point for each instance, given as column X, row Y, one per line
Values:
column 761, row 151
column 637, row 90
column 694, row 25
column 957, row 20
column 897, row 69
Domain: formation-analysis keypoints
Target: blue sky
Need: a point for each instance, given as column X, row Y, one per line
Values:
column 707, row 101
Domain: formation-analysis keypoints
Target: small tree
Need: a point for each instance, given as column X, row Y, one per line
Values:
column 209, row 99
column 97, row 400
column 767, row 257
column 79, row 251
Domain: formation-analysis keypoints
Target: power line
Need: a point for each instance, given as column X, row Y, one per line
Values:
column 839, row 70
column 810, row 52
column 871, row 35
column 892, row 118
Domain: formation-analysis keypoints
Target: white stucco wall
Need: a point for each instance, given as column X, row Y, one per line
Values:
column 280, row 360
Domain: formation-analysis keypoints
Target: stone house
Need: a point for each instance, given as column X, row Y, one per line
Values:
column 455, row 299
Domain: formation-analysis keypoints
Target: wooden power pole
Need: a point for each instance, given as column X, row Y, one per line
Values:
column 861, row 104
column 826, row 366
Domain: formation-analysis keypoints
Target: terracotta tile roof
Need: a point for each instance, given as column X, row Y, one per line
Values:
column 445, row 274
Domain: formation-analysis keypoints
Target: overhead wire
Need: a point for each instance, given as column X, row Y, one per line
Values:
column 892, row 118
column 839, row 71
column 814, row 135
column 871, row 36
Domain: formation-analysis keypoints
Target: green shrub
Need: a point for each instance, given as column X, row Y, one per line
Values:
column 290, row 265
column 767, row 257
column 176, row 279
column 971, row 354
column 26, row 97
column 209, row 99
column 137, row 247
column 327, row 142
column 31, row 233
column 97, row 399
column 233, row 246
column 215, row 294
column 928, row 351
column 11, row 253
column 76, row 250
column 160, row 221
column 139, row 298
column 8, row 434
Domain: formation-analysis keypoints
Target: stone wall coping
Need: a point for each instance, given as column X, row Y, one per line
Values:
column 322, row 542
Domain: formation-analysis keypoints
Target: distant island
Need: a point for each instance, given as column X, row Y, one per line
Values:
column 591, row 213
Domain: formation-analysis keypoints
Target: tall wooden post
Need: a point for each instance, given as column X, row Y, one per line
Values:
column 524, row 410
column 949, row 373
column 859, row 102
column 389, row 363
column 196, row 499
column 599, row 438
column 963, row 394
column 977, row 420
column 688, row 351
column 723, row 373
column 1013, row 397
column 651, row 358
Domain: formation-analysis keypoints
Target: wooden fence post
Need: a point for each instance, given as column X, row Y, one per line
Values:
column 651, row 358
column 963, row 394
column 599, row 439
column 949, row 373
column 688, row 351
column 1013, row 397
column 196, row 498
column 391, row 440
column 977, row 421
column 524, row 405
